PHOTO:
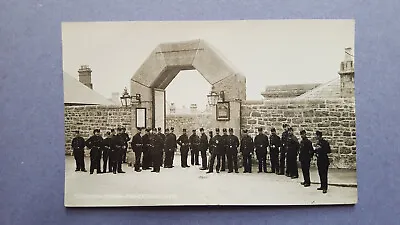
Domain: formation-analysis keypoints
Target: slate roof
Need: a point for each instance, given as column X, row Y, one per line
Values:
column 330, row 89
column 288, row 90
column 76, row 93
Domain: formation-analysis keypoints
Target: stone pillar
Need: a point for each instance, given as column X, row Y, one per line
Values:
column 85, row 76
column 347, row 75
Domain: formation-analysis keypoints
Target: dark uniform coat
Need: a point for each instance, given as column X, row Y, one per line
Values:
column 306, row 150
column 261, row 144
column 247, row 145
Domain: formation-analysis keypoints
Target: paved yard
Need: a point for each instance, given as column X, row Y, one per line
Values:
column 191, row 186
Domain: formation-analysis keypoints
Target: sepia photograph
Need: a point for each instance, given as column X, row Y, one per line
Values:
column 207, row 113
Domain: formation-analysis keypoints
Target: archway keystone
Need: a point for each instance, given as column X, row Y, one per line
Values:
column 168, row 59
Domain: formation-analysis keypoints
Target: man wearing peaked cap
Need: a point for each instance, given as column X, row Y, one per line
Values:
column 146, row 161
column 322, row 150
column 275, row 144
column 216, row 147
column 170, row 147
column 232, row 142
column 194, row 141
column 224, row 148
column 95, row 144
column 261, row 144
column 203, row 149
column 183, row 141
column 247, row 150
column 161, row 144
column 78, row 146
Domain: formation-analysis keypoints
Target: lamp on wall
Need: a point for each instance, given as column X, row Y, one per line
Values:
column 214, row 97
column 128, row 100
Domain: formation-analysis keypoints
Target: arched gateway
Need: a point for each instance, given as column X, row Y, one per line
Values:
column 167, row 60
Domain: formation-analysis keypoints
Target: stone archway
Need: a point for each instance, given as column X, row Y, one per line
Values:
column 167, row 60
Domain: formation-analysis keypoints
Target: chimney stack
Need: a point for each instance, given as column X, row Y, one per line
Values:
column 85, row 76
column 347, row 74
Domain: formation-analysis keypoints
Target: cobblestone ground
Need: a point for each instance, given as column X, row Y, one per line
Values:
column 191, row 186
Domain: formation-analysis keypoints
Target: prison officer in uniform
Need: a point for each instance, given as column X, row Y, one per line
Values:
column 322, row 150
column 275, row 144
column 78, row 147
column 210, row 135
column 247, row 150
column 163, row 145
column 183, row 142
column 305, row 156
column 203, row 149
column 107, row 152
column 224, row 148
column 292, row 153
column 194, row 141
column 261, row 144
column 215, row 147
column 232, row 142
column 95, row 144
column 120, row 146
column 137, row 147
column 175, row 144
column 282, row 156
column 125, row 138
column 146, row 164
column 113, row 152
column 170, row 147
column 157, row 148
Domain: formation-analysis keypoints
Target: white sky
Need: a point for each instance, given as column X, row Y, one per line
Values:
column 269, row 52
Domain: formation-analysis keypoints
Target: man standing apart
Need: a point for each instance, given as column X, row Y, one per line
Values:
column 137, row 147
column 95, row 144
column 203, row 149
column 247, row 150
column 183, row 142
column 274, row 151
column 78, row 147
column 322, row 149
column 194, row 141
column 306, row 154
column 261, row 143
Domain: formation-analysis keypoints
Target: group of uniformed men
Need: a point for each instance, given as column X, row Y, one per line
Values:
column 158, row 150
column 113, row 149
